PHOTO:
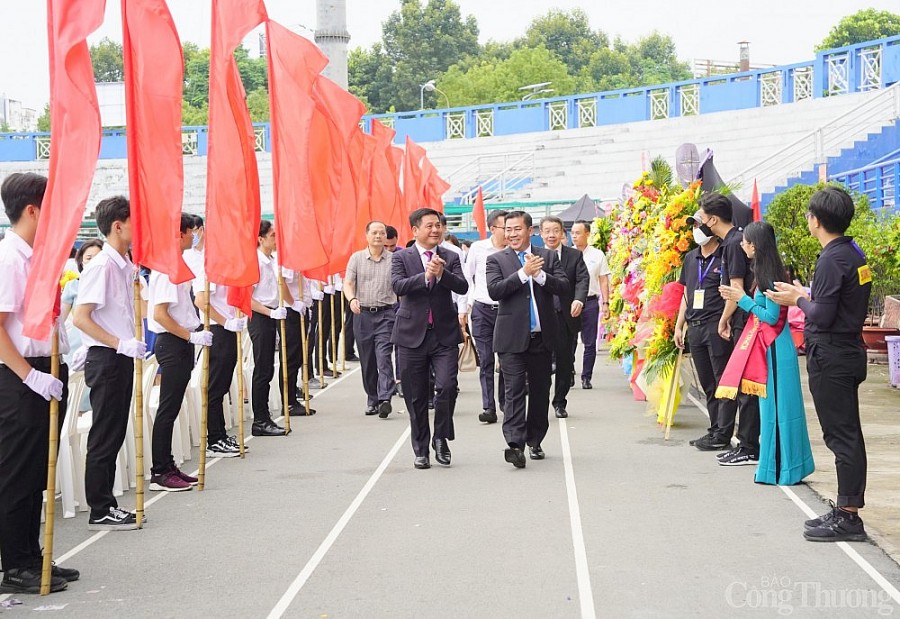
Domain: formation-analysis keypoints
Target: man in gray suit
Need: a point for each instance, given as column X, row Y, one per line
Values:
column 524, row 280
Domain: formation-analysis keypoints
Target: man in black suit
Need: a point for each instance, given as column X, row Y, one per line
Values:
column 427, row 333
column 523, row 280
column 568, row 309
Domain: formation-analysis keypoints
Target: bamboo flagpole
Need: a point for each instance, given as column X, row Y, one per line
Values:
column 321, row 343
column 334, row 357
column 53, row 450
column 343, row 333
column 673, row 388
column 138, row 408
column 204, row 400
column 305, row 341
column 285, row 402
column 240, row 384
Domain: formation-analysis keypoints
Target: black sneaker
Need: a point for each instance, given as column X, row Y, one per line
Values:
column 28, row 580
column 817, row 522
column 232, row 440
column 712, row 443
column 694, row 441
column 384, row 409
column 842, row 527
column 222, row 449
column 116, row 520
column 726, row 454
column 740, row 457
column 66, row 573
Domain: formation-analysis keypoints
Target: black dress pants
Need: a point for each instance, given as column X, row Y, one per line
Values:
column 222, row 360
column 526, row 421
column 262, row 335
column 294, row 357
column 111, row 379
column 24, row 434
column 484, row 317
column 836, row 368
column 710, row 354
column 565, row 361
column 176, row 361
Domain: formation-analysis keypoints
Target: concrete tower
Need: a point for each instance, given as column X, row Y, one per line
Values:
column 332, row 37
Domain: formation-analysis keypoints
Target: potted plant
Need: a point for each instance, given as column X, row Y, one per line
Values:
column 881, row 244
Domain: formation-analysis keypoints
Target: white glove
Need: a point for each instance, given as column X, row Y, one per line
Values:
column 44, row 385
column 235, row 325
column 299, row 307
column 279, row 313
column 132, row 348
column 317, row 294
column 201, row 338
column 78, row 359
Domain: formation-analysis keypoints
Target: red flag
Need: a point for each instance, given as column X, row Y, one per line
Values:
column 413, row 178
column 75, row 139
column 479, row 216
column 153, row 84
column 240, row 298
column 362, row 155
column 754, row 203
column 384, row 189
column 400, row 217
column 294, row 65
column 433, row 186
column 232, row 181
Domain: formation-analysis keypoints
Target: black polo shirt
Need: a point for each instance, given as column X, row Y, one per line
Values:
column 843, row 281
column 735, row 261
column 710, row 268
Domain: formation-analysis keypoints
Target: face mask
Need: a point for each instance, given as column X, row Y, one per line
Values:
column 700, row 236
column 195, row 241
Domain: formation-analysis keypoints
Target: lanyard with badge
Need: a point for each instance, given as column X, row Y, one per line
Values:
column 700, row 293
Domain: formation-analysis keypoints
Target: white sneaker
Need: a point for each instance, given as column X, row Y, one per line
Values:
column 222, row 449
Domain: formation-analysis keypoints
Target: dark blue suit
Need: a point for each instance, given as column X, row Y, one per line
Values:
column 422, row 346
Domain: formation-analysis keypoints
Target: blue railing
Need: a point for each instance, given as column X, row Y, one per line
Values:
column 879, row 182
column 834, row 72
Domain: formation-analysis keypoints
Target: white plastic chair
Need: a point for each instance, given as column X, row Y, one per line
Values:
column 70, row 463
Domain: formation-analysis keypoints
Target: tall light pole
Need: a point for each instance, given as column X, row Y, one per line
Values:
column 429, row 86
column 332, row 38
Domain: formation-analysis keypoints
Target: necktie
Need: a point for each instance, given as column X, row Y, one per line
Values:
column 429, row 254
column 556, row 304
column 531, row 300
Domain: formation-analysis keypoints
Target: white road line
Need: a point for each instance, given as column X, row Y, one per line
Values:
column 848, row 550
column 335, row 532
column 864, row 565
column 585, row 592
column 101, row 534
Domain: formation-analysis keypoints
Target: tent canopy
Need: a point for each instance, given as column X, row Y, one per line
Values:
column 584, row 208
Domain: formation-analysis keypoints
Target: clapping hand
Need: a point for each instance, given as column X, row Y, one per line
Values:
column 435, row 268
column 731, row 293
column 533, row 265
column 787, row 294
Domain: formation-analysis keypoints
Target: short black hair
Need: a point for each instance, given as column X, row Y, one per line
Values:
column 110, row 211
column 411, row 242
column 553, row 219
column 21, row 189
column 79, row 255
column 391, row 232
column 198, row 221
column 264, row 226
column 717, row 205
column 188, row 222
column 834, row 209
column 493, row 216
column 374, row 221
column 519, row 215
column 415, row 218
column 442, row 218
column 585, row 223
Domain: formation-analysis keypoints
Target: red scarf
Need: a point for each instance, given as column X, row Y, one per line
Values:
column 747, row 368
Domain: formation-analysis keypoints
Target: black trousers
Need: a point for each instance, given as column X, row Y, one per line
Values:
column 525, row 421
column 294, row 357
column 748, row 405
column 312, row 339
column 484, row 317
column 565, row 361
column 262, row 335
column 349, row 331
column 222, row 361
column 111, row 379
column 416, row 364
column 24, row 434
column 375, row 350
column 330, row 358
column 710, row 354
column 836, row 368
column 176, row 361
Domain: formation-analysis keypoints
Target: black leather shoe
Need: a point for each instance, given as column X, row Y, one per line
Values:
column 422, row 462
column 536, row 452
column 269, row 428
column 384, row 409
column 515, row 456
column 399, row 389
column 586, row 384
column 68, row 574
column 371, row 410
column 488, row 416
column 442, row 451
column 298, row 410
column 351, row 358
column 561, row 413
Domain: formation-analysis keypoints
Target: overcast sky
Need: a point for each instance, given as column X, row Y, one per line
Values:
column 779, row 31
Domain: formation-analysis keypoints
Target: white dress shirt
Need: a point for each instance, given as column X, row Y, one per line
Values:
column 218, row 295
column 297, row 286
column 107, row 283
column 475, row 270
column 181, row 308
column 266, row 291
column 597, row 267
column 540, row 280
column 15, row 264
column 194, row 259
column 461, row 301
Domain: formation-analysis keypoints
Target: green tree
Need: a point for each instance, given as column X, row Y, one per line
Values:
column 500, row 80
column 43, row 121
column 258, row 105
column 196, row 75
column 371, row 77
column 862, row 26
column 106, row 57
column 192, row 116
column 567, row 34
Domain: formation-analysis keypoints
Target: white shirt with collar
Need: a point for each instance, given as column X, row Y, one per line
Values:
column 15, row 264
column 266, row 291
column 540, row 279
column 107, row 283
column 218, row 295
column 459, row 300
column 194, row 258
column 597, row 266
column 475, row 270
column 178, row 297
